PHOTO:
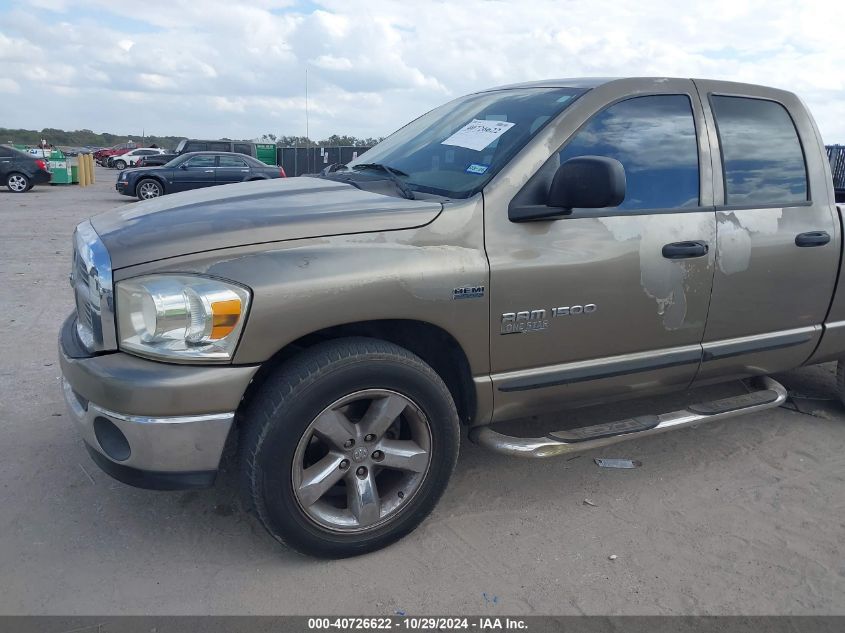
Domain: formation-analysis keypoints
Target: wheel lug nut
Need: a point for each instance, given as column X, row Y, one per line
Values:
column 369, row 437
column 344, row 464
column 378, row 455
column 349, row 443
column 362, row 471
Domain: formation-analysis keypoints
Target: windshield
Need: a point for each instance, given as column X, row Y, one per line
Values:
column 455, row 149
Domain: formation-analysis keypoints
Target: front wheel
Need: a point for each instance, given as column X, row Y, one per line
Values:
column 17, row 183
column 120, row 164
column 348, row 447
column 149, row 188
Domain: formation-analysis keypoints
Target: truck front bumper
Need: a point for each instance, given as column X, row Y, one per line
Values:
column 150, row 424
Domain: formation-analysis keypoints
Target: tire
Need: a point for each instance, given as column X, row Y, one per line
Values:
column 17, row 182
column 120, row 164
column 298, row 418
column 148, row 189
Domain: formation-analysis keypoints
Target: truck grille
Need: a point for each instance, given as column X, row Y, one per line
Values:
column 91, row 280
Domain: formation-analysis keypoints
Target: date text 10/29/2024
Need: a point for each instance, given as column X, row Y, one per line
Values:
column 417, row 624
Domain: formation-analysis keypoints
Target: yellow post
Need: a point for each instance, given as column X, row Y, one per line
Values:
column 91, row 169
column 81, row 171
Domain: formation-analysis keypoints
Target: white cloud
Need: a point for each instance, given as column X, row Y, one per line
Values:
column 221, row 68
column 9, row 86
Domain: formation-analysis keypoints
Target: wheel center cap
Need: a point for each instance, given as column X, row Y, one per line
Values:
column 359, row 454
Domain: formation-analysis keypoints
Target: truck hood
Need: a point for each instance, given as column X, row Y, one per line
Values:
column 251, row 213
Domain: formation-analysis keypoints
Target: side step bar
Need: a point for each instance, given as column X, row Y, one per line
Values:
column 773, row 394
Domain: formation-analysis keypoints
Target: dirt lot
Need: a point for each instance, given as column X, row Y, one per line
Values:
column 743, row 516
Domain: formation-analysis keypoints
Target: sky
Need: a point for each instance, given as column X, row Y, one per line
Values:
column 226, row 68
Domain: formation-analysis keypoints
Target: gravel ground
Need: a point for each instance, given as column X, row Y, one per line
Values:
column 744, row 516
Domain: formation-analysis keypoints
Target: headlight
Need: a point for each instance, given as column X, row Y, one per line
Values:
column 180, row 317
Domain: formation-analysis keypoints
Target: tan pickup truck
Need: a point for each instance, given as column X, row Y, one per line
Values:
column 514, row 252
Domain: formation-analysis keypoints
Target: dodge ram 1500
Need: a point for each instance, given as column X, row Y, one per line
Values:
column 511, row 252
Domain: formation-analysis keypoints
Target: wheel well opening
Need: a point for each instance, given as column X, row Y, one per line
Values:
column 432, row 344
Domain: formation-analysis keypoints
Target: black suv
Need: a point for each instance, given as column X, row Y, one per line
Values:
column 20, row 171
column 197, row 145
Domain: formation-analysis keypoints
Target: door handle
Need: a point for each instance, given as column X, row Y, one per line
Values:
column 684, row 250
column 812, row 238
column 209, row 171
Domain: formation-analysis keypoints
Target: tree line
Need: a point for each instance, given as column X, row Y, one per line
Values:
column 335, row 140
column 83, row 138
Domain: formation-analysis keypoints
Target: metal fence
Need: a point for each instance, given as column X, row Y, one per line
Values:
column 310, row 160
column 836, row 155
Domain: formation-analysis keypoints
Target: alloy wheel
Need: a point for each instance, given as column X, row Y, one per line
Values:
column 148, row 190
column 361, row 460
column 17, row 183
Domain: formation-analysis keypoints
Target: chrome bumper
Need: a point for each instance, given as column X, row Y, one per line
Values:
column 179, row 444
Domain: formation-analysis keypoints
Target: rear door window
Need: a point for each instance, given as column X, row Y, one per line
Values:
column 762, row 158
column 654, row 138
column 201, row 161
column 232, row 162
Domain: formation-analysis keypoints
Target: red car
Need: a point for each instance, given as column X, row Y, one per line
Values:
column 102, row 155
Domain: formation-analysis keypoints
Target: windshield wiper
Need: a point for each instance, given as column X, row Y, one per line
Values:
column 393, row 174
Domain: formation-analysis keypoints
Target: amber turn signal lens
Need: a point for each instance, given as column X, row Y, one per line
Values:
column 225, row 315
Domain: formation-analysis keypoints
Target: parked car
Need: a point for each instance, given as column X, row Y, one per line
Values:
column 197, row 145
column 102, row 156
column 73, row 151
column 21, row 171
column 154, row 160
column 193, row 171
column 131, row 157
column 511, row 253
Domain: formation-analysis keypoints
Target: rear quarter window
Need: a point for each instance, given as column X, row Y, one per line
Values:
column 762, row 158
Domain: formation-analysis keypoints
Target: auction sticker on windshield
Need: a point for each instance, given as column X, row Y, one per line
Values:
column 478, row 134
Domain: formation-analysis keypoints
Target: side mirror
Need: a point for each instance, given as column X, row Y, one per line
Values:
column 588, row 182
column 183, row 166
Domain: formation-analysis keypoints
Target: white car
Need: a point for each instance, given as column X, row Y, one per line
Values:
column 131, row 157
